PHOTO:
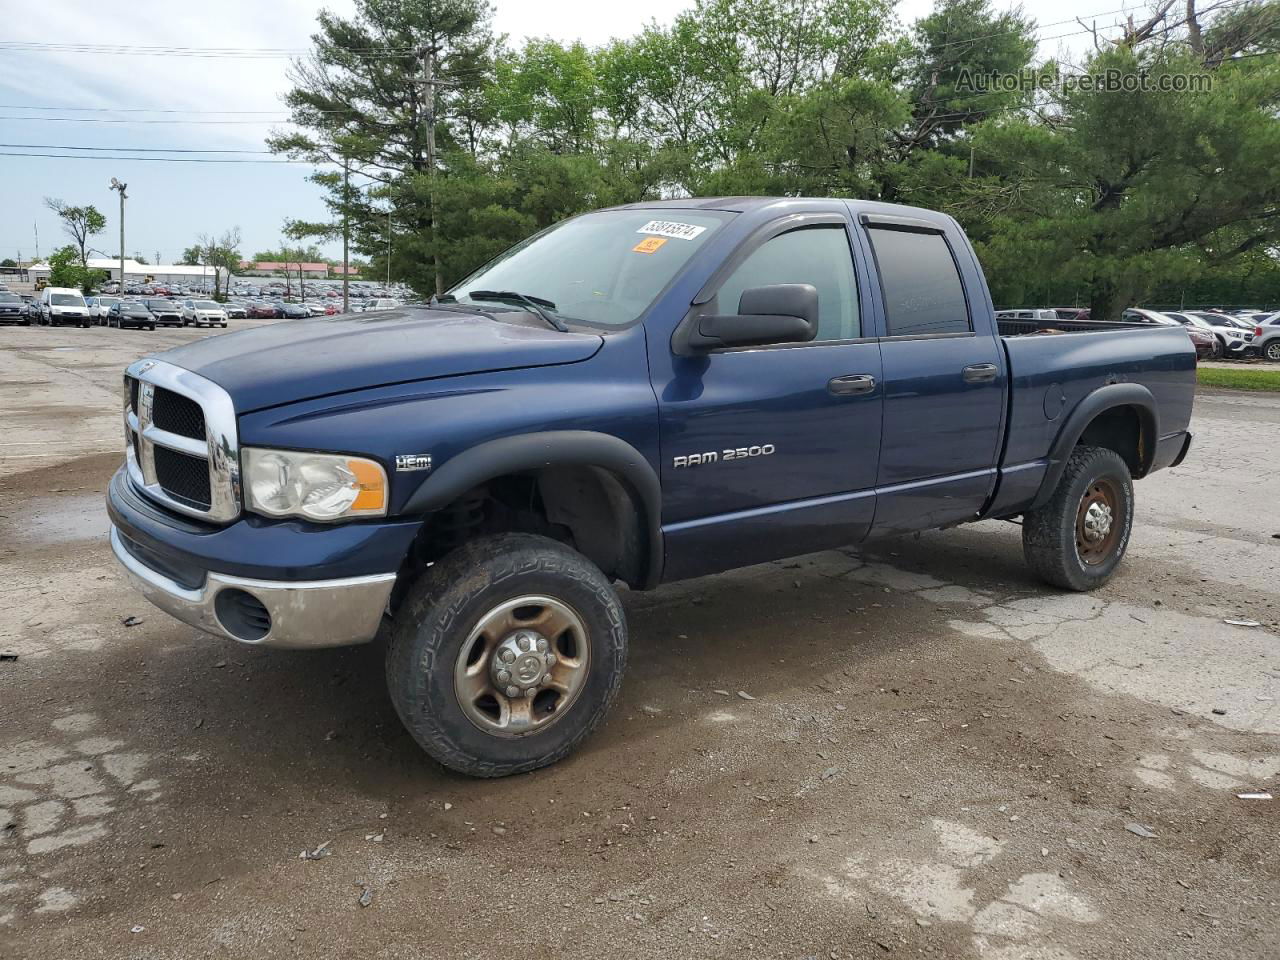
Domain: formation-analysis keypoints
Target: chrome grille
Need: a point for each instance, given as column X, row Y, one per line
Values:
column 183, row 476
column 177, row 414
column 181, row 444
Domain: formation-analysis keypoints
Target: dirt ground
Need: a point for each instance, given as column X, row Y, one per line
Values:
column 916, row 750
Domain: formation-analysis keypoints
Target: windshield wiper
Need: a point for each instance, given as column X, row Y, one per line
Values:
column 535, row 304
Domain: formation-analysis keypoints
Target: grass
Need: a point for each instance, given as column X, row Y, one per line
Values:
column 1244, row 379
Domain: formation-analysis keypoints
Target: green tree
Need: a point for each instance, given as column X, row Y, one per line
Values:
column 79, row 223
column 66, row 270
column 192, row 256
column 222, row 253
column 1118, row 192
column 375, row 113
column 8, row 262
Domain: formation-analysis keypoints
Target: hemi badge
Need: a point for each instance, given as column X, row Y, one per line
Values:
column 413, row 461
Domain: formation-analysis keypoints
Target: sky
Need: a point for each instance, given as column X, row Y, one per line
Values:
column 136, row 99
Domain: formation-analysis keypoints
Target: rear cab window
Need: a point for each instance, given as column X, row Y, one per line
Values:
column 923, row 293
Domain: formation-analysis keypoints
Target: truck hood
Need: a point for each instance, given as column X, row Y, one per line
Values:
column 301, row 359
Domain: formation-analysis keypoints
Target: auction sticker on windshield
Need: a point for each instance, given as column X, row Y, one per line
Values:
column 670, row 228
column 649, row 245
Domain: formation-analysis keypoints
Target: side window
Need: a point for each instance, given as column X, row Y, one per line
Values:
column 922, row 290
column 816, row 255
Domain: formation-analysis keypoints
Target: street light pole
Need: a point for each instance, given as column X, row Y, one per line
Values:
column 117, row 185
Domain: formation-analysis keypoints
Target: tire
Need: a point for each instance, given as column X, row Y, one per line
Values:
column 1272, row 350
column 151, row 327
column 434, row 646
column 1218, row 350
column 1056, row 541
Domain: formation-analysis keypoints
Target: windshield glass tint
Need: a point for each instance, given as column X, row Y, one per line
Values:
column 65, row 300
column 206, row 305
column 604, row 267
column 10, row 298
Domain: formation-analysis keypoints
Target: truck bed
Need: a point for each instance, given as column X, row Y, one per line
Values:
column 1050, row 374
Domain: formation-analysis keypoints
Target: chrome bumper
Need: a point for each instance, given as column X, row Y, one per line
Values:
column 302, row 614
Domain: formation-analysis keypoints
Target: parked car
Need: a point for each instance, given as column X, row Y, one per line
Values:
column 235, row 310
column 1235, row 335
column 1266, row 339
column 294, row 311
column 63, row 306
column 364, row 468
column 102, row 308
column 261, row 310
column 166, row 312
column 203, row 313
column 12, row 309
column 131, row 314
column 382, row 303
column 1201, row 338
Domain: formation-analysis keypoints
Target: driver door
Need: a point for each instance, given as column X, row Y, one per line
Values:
column 772, row 451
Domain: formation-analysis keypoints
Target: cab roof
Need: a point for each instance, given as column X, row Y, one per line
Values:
column 787, row 204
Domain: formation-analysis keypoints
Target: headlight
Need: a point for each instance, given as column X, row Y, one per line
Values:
column 317, row 486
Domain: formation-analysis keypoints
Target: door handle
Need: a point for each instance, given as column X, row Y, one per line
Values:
column 852, row 385
column 980, row 372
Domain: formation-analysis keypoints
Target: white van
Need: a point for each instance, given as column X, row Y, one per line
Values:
column 63, row 305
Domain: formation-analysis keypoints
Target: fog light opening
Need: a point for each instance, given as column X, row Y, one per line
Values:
column 242, row 615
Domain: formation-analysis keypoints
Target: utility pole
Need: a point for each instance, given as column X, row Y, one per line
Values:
column 37, row 232
column 346, row 235
column 118, row 186
column 429, row 80
column 388, row 246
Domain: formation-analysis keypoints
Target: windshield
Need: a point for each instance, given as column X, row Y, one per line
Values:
column 160, row 304
column 207, row 305
column 65, row 300
column 10, row 298
column 604, row 267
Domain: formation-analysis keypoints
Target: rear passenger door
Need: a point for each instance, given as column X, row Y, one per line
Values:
column 944, row 378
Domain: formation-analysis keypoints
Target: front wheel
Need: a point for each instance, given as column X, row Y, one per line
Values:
column 1272, row 350
column 506, row 655
column 1077, row 539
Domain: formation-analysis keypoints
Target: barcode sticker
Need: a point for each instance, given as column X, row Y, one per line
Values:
column 670, row 228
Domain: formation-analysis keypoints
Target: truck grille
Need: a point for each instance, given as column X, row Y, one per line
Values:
column 183, row 477
column 180, row 433
column 177, row 414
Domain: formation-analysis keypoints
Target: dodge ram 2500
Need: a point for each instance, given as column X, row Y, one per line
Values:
column 635, row 395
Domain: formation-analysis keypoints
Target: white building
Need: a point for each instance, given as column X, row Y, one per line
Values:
column 135, row 272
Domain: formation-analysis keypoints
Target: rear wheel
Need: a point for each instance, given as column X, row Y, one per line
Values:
column 1272, row 350
column 1077, row 539
column 506, row 655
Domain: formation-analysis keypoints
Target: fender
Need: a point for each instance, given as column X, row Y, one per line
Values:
column 1099, row 401
column 532, row 451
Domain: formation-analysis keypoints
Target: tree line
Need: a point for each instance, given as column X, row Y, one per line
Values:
column 443, row 144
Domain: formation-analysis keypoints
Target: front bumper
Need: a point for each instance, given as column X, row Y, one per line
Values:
column 267, row 613
column 318, row 585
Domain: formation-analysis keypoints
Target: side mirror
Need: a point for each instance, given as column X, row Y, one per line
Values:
column 779, row 313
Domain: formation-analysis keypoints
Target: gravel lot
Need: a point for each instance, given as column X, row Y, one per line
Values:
column 931, row 753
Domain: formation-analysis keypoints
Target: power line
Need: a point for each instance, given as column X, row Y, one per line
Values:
column 86, row 156
column 61, row 146
column 115, row 120
column 34, row 46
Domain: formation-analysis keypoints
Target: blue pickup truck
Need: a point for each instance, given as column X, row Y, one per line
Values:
column 636, row 395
